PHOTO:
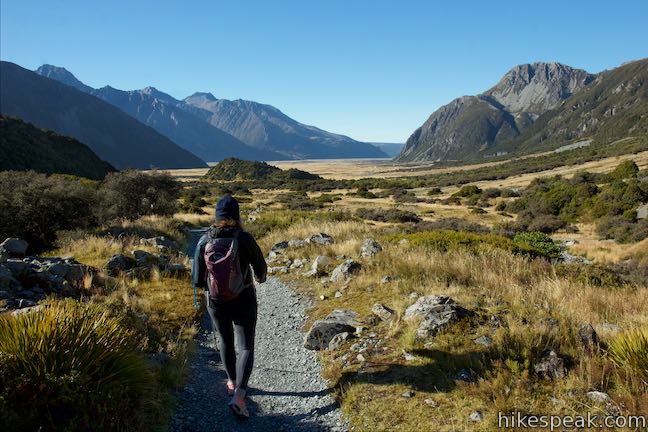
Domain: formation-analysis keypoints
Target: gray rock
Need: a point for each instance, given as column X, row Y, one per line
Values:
column 370, row 247
column 550, row 367
column 403, row 242
column 27, row 309
column 7, row 280
column 322, row 331
column 345, row 270
column 298, row 263
column 568, row 258
column 338, row 294
column 599, row 397
column 610, row 328
column 118, row 264
column 280, row 246
column 4, row 295
column 408, row 394
column 4, row 255
column 25, row 303
column 14, row 247
column 588, row 336
column 476, row 416
column 408, row 356
column 145, row 259
column 338, row 340
column 484, row 341
column 424, row 304
column 465, row 375
column 160, row 242
column 440, row 317
column 361, row 358
column 321, row 239
column 294, row 244
column 277, row 270
column 386, row 279
column 431, row 402
column 382, row 312
column 18, row 267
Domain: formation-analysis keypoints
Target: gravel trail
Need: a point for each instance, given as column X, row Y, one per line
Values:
column 286, row 392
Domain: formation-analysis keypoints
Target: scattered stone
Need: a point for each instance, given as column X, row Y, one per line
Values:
column 160, row 242
column 7, row 280
column 555, row 400
column 322, row 331
column 26, row 310
column 440, row 318
column 403, row 242
column 277, row 270
column 588, row 336
column 295, row 244
column 425, row 304
column 323, row 297
column 408, row 394
column 610, row 328
column 568, row 258
column 361, row 358
column 382, row 312
column 339, row 340
column 118, row 264
column 321, row 239
column 338, row 294
column 370, row 247
column 318, row 268
column 551, row 366
column 345, row 270
column 408, row 356
column 431, row 402
column 298, row 263
column 386, row 279
column 145, row 259
column 14, row 247
column 484, row 341
column 599, row 397
column 476, row 416
column 465, row 375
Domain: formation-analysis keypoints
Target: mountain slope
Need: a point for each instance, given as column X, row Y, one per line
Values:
column 472, row 127
column 161, row 112
column 264, row 126
column 25, row 147
column 112, row 134
column 613, row 107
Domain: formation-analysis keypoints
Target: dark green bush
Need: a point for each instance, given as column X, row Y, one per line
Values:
column 451, row 223
column 467, row 191
column 538, row 243
column 35, row 206
column 389, row 215
column 133, row 194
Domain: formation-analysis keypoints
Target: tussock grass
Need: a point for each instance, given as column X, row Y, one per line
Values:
column 50, row 358
column 630, row 350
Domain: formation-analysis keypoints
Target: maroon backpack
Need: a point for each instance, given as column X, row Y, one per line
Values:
column 225, row 279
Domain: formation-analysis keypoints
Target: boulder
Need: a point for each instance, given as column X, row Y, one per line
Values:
column 4, row 255
column 7, row 280
column 294, row 244
column 280, row 246
column 298, row 263
column 484, row 341
column 318, row 267
column 322, row 331
column 345, row 270
column 476, row 416
column 382, row 312
column 424, row 304
column 320, row 239
column 338, row 340
column 118, row 264
column 550, row 366
column 14, row 247
column 599, row 397
column 440, row 317
column 370, row 247
column 160, row 242
column 588, row 336
column 145, row 259
column 279, row 269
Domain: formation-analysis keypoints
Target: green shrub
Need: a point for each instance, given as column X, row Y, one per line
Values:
column 35, row 206
column 435, row 191
column 133, row 194
column 537, row 243
column 389, row 215
column 630, row 350
column 467, row 191
column 70, row 367
column 625, row 170
column 450, row 223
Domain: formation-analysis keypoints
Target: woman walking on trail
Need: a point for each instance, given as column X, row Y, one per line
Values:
column 222, row 266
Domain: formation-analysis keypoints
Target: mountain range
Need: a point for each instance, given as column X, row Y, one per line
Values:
column 112, row 134
column 218, row 128
column 471, row 127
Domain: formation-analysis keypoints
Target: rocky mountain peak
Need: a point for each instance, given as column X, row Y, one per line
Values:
column 62, row 75
column 205, row 96
column 537, row 87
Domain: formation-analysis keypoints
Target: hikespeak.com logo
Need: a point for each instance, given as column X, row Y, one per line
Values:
column 518, row 420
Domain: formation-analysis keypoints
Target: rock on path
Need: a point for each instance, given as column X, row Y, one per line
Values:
column 286, row 391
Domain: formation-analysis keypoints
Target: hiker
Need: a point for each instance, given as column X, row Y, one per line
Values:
column 223, row 262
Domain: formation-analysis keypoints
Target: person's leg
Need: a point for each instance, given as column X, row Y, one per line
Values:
column 244, row 329
column 223, row 324
column 212, row 318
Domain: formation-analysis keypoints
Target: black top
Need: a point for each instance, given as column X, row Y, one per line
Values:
column 249, row 255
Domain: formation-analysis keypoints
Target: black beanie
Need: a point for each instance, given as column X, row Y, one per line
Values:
column 227, row 208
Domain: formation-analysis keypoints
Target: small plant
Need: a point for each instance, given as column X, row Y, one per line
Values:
column 537, row 243
column 70, row 367
column 630, row 350
column 467, row 191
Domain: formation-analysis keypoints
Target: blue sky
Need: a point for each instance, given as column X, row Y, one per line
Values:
column 370, row 69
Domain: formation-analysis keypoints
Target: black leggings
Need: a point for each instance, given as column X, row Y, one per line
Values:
column 236, row 318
